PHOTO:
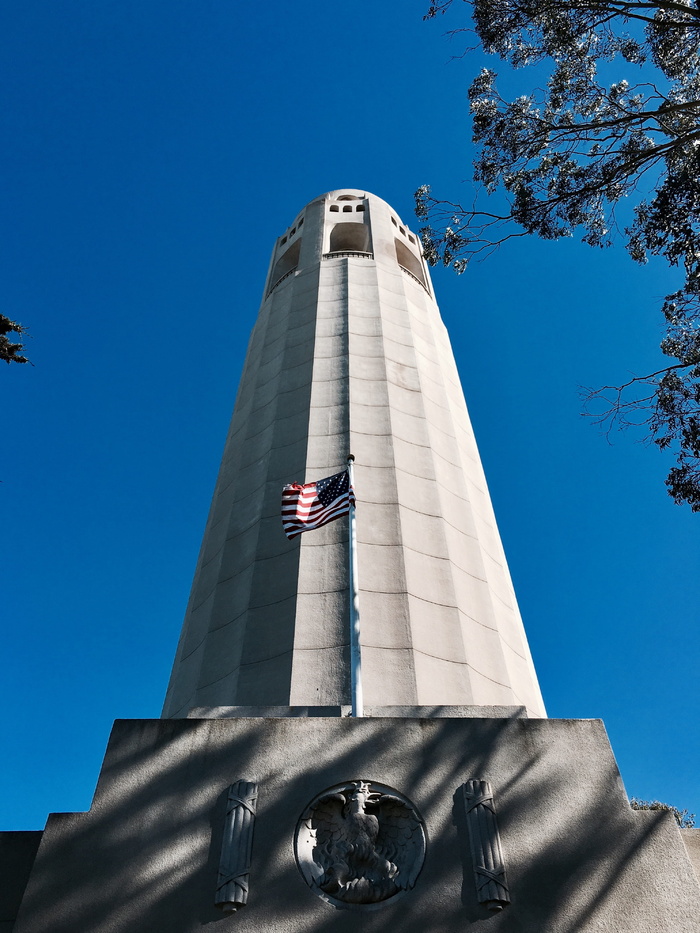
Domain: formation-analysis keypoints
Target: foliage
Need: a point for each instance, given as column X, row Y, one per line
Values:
column 564, row 157
column 10, row 352
column 684, row 819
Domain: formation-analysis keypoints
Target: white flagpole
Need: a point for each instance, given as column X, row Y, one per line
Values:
column 355, row 658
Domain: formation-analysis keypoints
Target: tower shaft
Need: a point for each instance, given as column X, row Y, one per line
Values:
column 349, row 354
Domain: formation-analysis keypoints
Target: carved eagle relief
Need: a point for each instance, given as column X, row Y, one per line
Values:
column 361, row 843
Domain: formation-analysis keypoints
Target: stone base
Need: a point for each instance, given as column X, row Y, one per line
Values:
column 145, row 858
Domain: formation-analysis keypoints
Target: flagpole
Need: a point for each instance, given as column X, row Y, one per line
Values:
column 355, row 658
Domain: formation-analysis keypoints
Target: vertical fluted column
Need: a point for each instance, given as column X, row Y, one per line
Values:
column 485, row 843
column 237, row 846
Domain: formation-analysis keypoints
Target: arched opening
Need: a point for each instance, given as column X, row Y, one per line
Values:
column 350, row 237
column 349, row 197
column 409, row 261
column 286, row 263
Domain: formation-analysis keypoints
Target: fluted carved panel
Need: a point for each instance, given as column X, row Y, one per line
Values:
column 485, row 843
column 237, row 846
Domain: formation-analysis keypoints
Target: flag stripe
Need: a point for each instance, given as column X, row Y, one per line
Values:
column 319, row 519
column 294, row 529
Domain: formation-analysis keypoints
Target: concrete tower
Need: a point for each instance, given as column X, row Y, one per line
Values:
column 257, row 805
column 349, row 354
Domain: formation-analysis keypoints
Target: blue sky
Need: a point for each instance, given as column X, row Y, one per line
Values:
column 152, row 153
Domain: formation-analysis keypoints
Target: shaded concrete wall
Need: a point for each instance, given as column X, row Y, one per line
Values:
column 349, row 354
column 144, row 859
column 17, row 854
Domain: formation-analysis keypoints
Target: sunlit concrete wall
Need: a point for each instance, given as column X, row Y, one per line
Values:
column 349, row 354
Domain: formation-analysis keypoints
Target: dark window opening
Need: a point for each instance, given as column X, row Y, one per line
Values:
column 286, row 263
column 409, row 261
column 350, row 238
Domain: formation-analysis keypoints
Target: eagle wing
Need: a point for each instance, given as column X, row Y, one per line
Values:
column 401, row 838
column 326, row 822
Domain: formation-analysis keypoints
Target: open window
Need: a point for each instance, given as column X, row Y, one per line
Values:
column 350, row 237
column 286, row 263
column 409, row 261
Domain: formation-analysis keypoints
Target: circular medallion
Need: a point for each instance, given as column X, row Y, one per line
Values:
column 360, row 844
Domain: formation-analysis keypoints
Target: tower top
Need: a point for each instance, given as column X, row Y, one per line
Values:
column 346, row 223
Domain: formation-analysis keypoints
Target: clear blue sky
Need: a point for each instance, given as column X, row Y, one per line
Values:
column 152, row 153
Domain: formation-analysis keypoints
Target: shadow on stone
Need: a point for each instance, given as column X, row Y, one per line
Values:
column 144, row 859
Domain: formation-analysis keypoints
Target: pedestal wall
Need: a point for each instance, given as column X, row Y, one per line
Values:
column 145, row 858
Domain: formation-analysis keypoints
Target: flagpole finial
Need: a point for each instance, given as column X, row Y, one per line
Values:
column 351, row 458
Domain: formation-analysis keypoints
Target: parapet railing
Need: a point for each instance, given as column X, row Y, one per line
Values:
column 348, row 253
column 281, row 279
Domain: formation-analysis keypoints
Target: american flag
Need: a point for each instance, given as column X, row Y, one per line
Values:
column 307, row 507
